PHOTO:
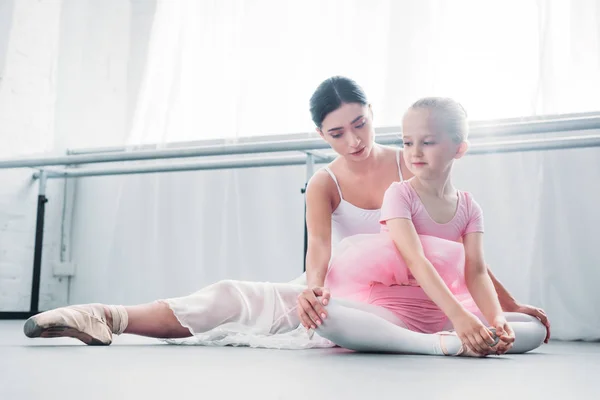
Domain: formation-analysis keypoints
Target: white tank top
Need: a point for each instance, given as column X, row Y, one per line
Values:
column 348, row 219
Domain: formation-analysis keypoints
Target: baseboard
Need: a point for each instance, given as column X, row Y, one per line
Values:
column 4, row 315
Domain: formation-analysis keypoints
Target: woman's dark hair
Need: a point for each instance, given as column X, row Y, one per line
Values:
column 331, row 94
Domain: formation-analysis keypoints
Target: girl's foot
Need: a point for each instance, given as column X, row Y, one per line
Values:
column 463, row 350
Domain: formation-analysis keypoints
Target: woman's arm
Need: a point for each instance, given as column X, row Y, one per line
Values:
column 510, row 304
column 507, row 301
column 318, row 224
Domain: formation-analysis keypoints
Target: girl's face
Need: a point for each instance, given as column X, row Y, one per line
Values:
column 349, row 131
column 428, row 151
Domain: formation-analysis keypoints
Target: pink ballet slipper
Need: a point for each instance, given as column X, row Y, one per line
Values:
column 464, row 350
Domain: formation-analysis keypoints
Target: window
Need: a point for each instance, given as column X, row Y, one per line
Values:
column 227, row 69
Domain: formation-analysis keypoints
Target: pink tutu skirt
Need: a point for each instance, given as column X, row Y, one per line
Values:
column 369, row 268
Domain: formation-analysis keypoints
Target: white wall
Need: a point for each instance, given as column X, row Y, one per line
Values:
column 167, row 235
column 69, row 79
column 92, row 90
column 6, row 14
column 28, row 48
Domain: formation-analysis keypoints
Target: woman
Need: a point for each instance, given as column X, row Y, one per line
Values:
column 342, row 200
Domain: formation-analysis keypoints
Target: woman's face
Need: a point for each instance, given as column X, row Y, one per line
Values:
column 349, row 131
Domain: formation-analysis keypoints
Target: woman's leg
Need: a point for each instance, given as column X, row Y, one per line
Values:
column 529, row 331
column 95, row 324
column 359, row 327
column 154, row 320
column 266, row 307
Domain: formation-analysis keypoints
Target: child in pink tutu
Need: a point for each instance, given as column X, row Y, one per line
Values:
column 427, row 265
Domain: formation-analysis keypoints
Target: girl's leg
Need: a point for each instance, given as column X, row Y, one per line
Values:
column 356, row 327
column 529, row 331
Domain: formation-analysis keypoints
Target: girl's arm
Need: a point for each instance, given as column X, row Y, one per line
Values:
column 468, row 327
column 406, row 239
column 481, row 287
column 478, row 281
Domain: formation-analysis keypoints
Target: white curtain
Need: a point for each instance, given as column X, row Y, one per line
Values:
column 225, row 69
column 232, row 69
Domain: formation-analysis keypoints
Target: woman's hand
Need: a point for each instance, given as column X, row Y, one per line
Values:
column 505, row 333
column 310, row 310
column 473, row 333
column 534, row 312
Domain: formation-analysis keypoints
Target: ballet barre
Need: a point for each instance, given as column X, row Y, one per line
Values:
column 309, row 159
column 384, row 136
column 313, row 149
column 478, row 129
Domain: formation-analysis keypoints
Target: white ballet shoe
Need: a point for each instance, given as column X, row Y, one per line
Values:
column 84, row 322
column 464, row 350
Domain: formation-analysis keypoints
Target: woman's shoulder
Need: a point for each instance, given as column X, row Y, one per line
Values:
column 394, row 157
column 320, row 180
column 321, row 186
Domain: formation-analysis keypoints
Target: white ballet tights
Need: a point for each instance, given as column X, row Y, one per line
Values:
column 266, row 309
column 351, row 326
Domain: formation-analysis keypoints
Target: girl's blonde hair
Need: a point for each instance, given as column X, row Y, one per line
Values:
column 449, row 114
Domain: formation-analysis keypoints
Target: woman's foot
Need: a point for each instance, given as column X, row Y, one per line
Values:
column 463, row 350
column 90, row 323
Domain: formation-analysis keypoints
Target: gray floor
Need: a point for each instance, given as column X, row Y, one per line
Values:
column 142, row 368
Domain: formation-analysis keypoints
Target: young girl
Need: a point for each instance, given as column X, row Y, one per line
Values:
column 431, row 240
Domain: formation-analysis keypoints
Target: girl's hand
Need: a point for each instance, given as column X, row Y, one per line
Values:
column 473, row 333
column 505, row 333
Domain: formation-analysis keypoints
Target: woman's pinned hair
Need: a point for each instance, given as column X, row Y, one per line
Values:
column 331, row 94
